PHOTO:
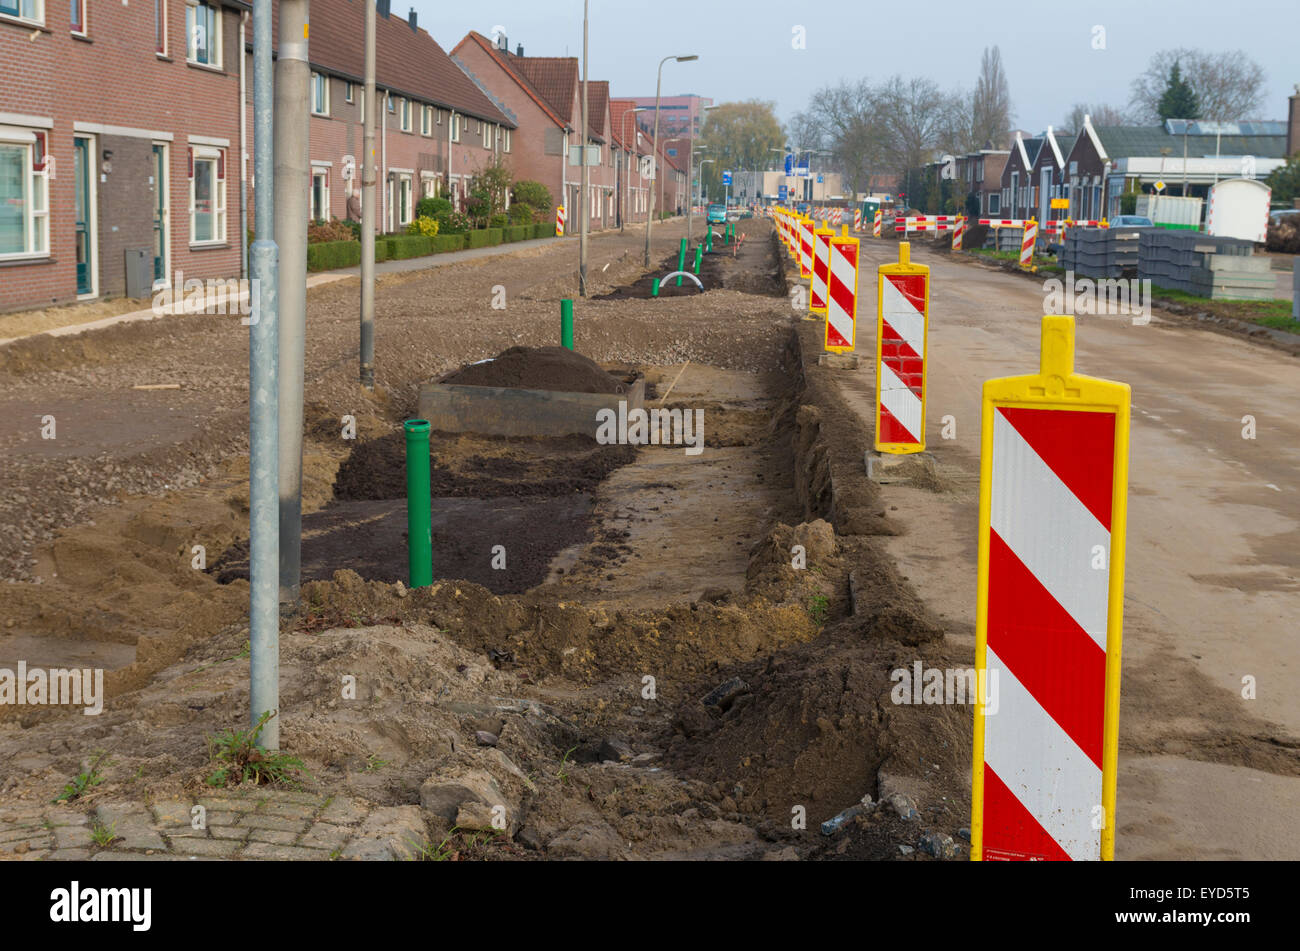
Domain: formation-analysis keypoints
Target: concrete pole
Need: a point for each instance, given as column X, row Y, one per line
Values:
column 368, row 208
column 293, row 186
column 584, row 199
column 263, row 409
column 243, row 148
column 654, row 160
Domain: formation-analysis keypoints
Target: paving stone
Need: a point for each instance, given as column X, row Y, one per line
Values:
column 325, row 836
column 343, row 811
column 276, row 836
column 390, row 833
column 228, row 804
column 213, row 819
column 222, row 848
column 315, row 800
column 63, row 816
column 283, row 823
column 237, row 833
column 20, row 834
column 292, row 810
column 111, row 856
column 174, row 813
column 132, row 825
column 69, row 855
column 72, row 837
column 33, row 843
column 267, row 850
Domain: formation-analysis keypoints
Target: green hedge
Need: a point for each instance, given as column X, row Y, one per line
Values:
column 329, row 255
column 544, row 229
column 518, row 232
column 485, row 237
column 448, row 242
column 401, row 247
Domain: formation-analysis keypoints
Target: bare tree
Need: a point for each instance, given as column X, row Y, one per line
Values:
column 1228, row 85
column 1100, row 114
column 990, row 106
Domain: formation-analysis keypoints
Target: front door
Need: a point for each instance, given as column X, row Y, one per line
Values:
column 85, row 279
column 160, row 213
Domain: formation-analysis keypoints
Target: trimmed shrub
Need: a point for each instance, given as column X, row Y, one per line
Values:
column 518, row 232
column 484, row 237
column 498, row 221
column 431, row 207
column 329, row 255
column 521, row 213
column 495, row 236
column 425, row 226
column 401, row 247
column 544, row 229
column 448, row 242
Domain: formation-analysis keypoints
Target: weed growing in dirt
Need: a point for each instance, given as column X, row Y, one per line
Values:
column 564, row 765
column 374, row 763
column 241, row 758
column 103, row 835
column 452, row 847
column 243, row 654
column 83, row 781
column 818, row 609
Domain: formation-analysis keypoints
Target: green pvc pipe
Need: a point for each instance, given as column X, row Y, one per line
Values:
column 699, row 253
column 681, row 261
column 654, row 288
column 566, row 323
column 419, row 528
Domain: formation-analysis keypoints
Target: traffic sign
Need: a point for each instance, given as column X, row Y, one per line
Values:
column 726, row 178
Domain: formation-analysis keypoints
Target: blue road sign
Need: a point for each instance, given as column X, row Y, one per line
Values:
column 726, row 178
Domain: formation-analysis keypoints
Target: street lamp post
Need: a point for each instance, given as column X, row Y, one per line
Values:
column 654, row 148
column 627, row 178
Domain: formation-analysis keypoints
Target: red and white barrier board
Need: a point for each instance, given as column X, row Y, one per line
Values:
column 857, row 219
column 1028, row 237
column 1053, row 502
column 875, row 225
column 817, row 287
column 959, row 233
column 805, row 247
column 902, row 325
column 842, row 294
column 560, row 218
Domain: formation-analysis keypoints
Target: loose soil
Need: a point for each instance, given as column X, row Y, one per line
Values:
column 539, row 368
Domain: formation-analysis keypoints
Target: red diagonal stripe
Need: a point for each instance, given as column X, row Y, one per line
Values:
column 842, row 294
column 1010, row 833
column 889, row 333
column 891, row 430
column 912, row 287
column 1078, row 445
column 1055, row 659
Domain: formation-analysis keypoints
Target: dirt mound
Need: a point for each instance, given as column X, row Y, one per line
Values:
column 480, row 467
column 539, row 368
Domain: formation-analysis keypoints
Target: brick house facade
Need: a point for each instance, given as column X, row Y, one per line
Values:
column 94, row 173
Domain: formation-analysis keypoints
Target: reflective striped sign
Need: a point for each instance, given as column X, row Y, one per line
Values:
column 817, row 287
column 842, row 294
column 1053, row 499
column 902, row 323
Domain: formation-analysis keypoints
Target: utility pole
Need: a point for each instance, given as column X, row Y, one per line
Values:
column 263, row 409
column 371, row 112
column 583, row 199
column 293, row 186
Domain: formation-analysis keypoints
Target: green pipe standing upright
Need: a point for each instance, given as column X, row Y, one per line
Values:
column 654, row 288
column 699, row 253
column 419, row 529
column 681, row 261
column 566, row 323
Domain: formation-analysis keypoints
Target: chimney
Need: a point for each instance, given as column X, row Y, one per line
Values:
column 519, row 49
column 411, row 19
column 383, row 7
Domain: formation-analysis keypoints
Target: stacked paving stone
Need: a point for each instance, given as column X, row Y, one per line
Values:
column 1204, row 265
column 1102, row 252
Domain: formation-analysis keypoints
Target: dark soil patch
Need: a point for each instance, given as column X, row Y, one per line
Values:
column 750, row 266
column 539, row 368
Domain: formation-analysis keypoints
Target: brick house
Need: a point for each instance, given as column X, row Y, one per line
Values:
column 1048, row 175
column 439, row 128
column 545, row 92
column 93, row 172
column 633, row 200
column 1017, row 185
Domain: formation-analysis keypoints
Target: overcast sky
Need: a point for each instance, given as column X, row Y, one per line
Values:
column 746, row 50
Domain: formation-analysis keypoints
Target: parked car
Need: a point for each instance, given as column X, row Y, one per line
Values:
column 1131, row 221
column 717, row 214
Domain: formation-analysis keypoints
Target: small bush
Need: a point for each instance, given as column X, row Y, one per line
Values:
column 432, row 207
column 239, row 757
column 423, row 226
column 534, row 194
column 319, row 232
column 498, row 221
column 521, row 213
column 454, row 222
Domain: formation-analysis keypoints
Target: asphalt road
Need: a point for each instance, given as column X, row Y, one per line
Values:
column 1213, row 572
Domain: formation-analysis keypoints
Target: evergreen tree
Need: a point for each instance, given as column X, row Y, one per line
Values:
column 1178, row 100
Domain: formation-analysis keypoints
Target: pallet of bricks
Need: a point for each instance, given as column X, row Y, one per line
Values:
column 1204, row 265
column 1102, row 252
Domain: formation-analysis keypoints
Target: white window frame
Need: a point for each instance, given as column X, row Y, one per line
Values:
column 349, row 91
column 214, row 48
column 85, row 26
column 324, row 87
column 426, row 120
column 487, row 135
column 35, row 14
column 455, row 127
column 36, row 217
column 505, row 140
column 217, row 156
column 404, row 114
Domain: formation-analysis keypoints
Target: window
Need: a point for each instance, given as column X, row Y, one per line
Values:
column 320, row 194
column 426, row 120
column 203, row 34
column 207, row 195
column 33, row 10
column 404, row 114
column 391, row 105
column 401, row 206
column 487, row 135
column 320, row 94
column 160, row 27
column 24, row 190
column 505, row 141
column 348, row 91
column 78, row 17
column 455, row 127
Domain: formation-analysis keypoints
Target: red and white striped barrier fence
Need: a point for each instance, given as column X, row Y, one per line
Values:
column 959, row 233
column 857, row 219
column 1049, row 615
column 876, row 222
column 902, row 324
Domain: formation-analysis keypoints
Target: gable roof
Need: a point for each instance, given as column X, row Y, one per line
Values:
column 507, row 63
column 408, row 61
column 555, row 77
column 624, row 129
column 597, row 104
